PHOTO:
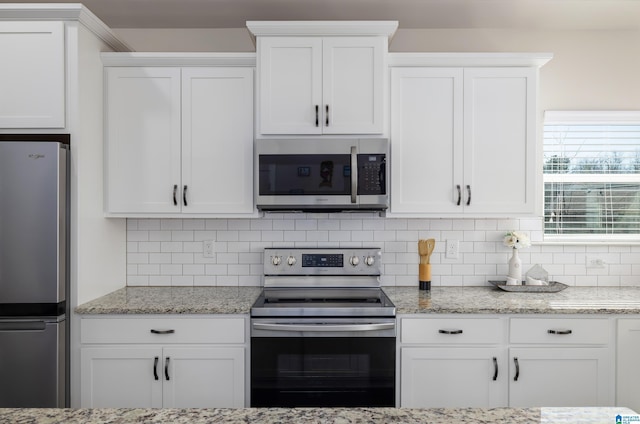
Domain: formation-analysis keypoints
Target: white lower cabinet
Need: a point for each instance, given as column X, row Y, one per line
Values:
column 560, row 361
column 628, row 366
column 453, row 377
column 162, row 370
column 518, row 362
column 452, row 362
column 559, row 376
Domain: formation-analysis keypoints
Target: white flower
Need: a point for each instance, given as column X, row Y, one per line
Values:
column 516, row 240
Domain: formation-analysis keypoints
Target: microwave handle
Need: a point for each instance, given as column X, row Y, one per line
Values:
column 354, row 174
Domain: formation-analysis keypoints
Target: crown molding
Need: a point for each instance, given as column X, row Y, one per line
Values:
column 62, row 12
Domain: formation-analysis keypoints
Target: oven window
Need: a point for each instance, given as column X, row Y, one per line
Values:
column 310, row 372
column 291, row 175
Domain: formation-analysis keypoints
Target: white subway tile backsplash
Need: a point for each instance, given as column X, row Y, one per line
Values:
column 170, row 251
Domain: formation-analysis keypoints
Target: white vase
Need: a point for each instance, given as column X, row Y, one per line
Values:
column 515, row 267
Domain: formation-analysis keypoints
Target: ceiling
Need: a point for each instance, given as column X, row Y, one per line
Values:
column 533, row 14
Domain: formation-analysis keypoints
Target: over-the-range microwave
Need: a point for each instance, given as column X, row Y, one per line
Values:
column 322, row 174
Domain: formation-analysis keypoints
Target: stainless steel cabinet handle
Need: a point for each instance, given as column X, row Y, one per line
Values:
column 317, row 117
column 354, row 174
column 184, row 195
column 155, row 368
column 166, row 368
column 326, row 116
column 323, row 328
column 515, row 360
column 469, row 192
column 443, row 331
column 559, row 331
column 175, row 192
column 459, row 195
column 162, row 331
column 495, row 368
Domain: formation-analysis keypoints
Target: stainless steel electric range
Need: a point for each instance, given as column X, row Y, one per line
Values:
column 322, row 332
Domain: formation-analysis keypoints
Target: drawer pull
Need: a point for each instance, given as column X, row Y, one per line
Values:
column 166, row 368
column 155, row 368
column 450, row 331
column 495, row 368
column 559, row 331
column 162, row 331
column 515, row 360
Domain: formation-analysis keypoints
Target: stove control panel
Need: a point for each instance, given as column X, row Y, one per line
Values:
column 311, row 261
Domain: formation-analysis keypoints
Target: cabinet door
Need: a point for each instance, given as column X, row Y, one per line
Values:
column 217, row 140
column 353, row 85
column 32, row 75
column 499, row 140
column 290, row 72
column 143, row 140
column 628, row 367
column 426, row 140
column 121, row 377
column 452, row 377
column 559, row 377
column 203, row 377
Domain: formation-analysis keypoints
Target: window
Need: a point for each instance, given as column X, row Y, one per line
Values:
column 592, row 175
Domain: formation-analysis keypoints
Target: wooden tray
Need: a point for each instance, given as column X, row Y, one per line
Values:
column 553, row 287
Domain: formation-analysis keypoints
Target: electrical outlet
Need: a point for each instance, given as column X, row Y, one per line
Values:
column 595, row 262
column 207, row 248
column 451, row 251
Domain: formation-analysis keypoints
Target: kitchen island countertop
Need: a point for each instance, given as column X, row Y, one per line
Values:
column 408, row 300
column 602, row 415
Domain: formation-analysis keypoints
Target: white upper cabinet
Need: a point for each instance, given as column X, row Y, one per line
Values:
column 217, row 140
column 500, row 140
column 464, row 141
column 427, row 140
column 143, row 140
column 179, row 140
column 32, row 75
column 313, row 84
column 290, row 85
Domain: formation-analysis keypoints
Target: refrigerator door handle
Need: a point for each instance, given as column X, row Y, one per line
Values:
column 22, row 325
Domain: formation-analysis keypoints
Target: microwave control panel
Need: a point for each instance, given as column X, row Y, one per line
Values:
column 371, row 174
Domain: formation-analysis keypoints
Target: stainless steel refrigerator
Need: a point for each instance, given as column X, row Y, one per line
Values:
column 34, row 280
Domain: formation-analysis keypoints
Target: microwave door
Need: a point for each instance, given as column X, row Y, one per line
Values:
column 311, row 180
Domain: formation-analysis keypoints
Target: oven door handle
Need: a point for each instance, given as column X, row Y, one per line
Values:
column 324, row 327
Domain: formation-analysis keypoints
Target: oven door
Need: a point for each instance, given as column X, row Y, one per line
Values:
column 323, row 363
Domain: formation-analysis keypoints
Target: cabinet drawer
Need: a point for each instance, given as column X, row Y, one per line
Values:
column 559, row 331
column 451, row 330
column 162, row 330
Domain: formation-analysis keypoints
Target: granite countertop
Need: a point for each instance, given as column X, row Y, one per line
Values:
column 316, row 415
column 173, row 300
column 491, row 300
column 408, row 300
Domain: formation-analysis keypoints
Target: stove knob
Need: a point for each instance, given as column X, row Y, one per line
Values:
column 291, row 260
column 370, row 260
column 354, row 260
column 275, row 260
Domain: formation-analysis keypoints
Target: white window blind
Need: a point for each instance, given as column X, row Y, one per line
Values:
column 592, row 175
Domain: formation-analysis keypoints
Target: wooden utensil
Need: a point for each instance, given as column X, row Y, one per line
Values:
column 425, row 249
